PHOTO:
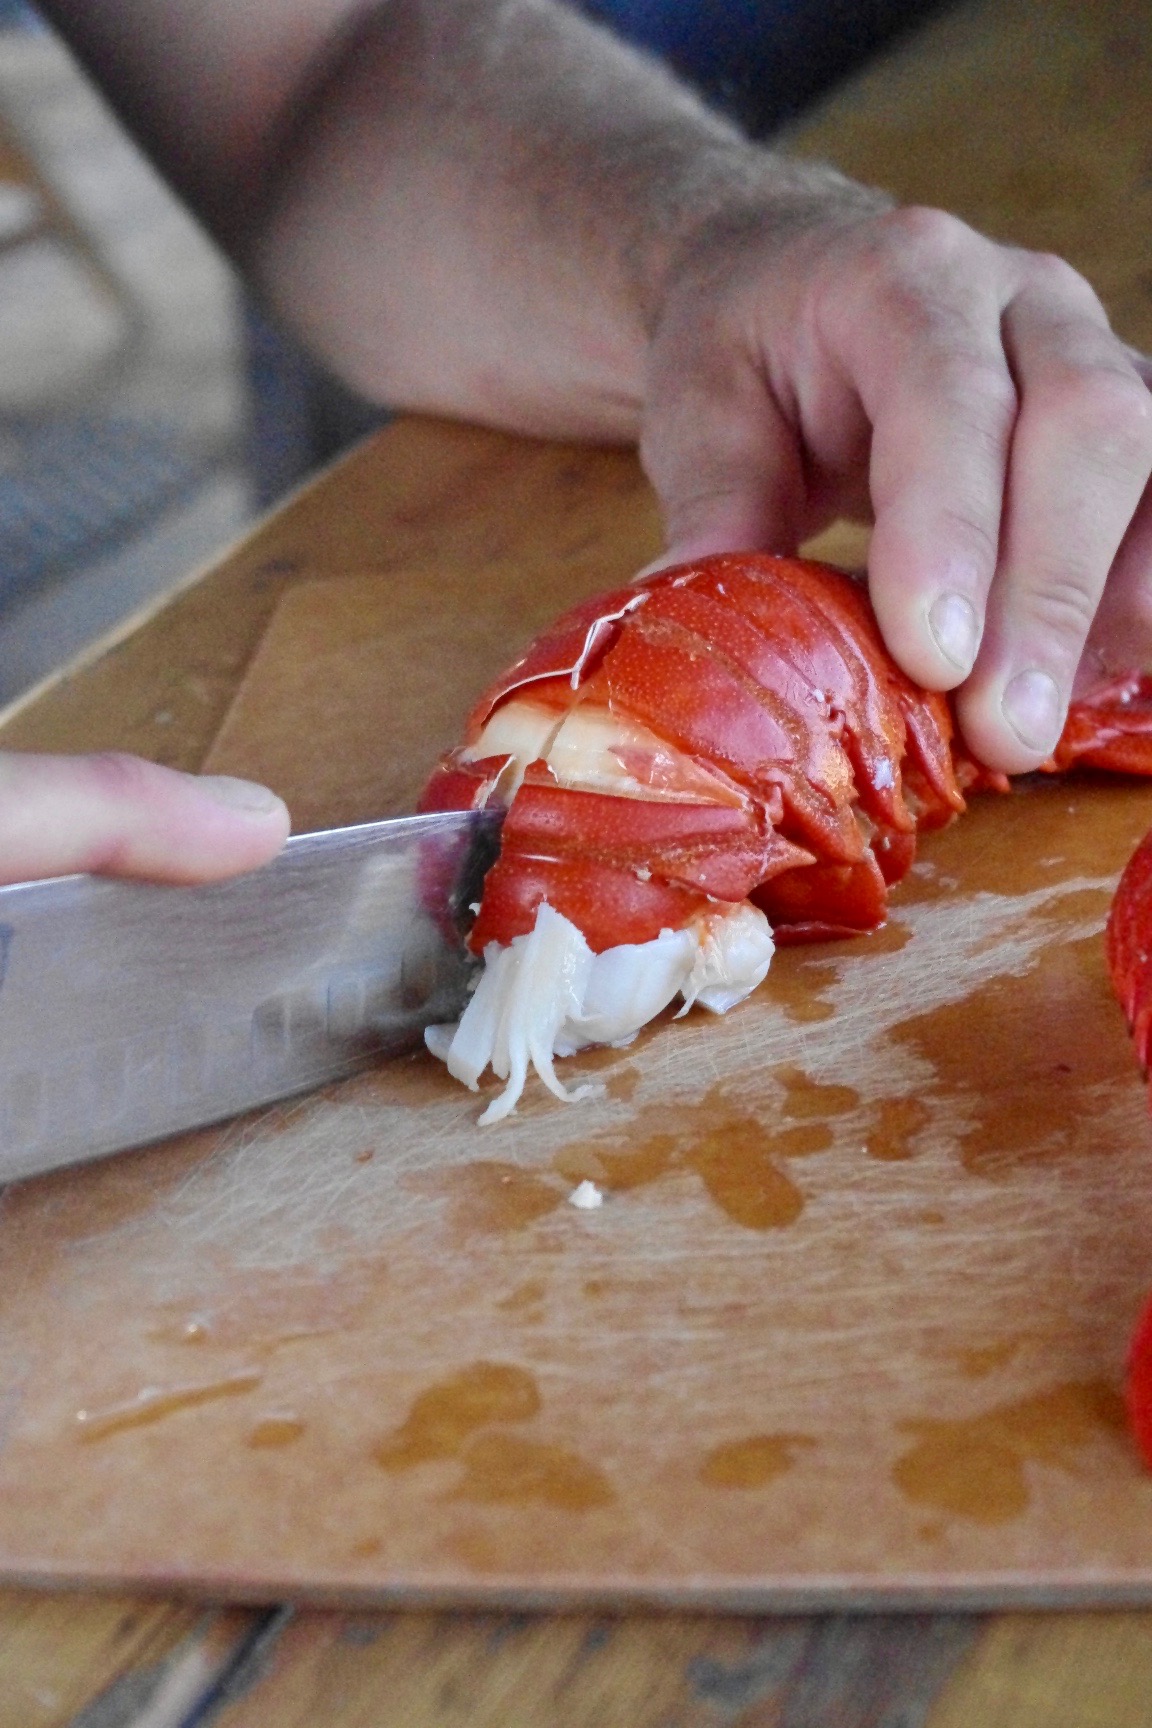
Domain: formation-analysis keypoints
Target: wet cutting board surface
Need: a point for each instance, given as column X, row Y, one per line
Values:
column 848, row 1327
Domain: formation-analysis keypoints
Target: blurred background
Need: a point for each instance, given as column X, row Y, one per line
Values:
column 147, row 410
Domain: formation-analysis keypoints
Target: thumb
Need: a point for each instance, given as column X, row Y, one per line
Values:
column 118, row 815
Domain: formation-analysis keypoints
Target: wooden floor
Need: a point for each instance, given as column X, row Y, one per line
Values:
column 167, row 1665
column 1034, row 119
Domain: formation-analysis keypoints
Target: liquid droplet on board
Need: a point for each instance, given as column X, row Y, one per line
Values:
column 491, row 1197
column 461, row 1417
column 153, row 1403
column 974, row 1467
column 805, row 1097
column 753, row 1461
column 194, row 1330
column 737, row 1168
column 447, row 1413
column 797, row 986
column 1030, row 1094
column 735, row 1162
column 891, row 938
column 802, row 1140
column 895, row 1124
column 621, row 1075
column 734, row 1154
column 619, row 1165
column 274, row 1431
column 512, row 1469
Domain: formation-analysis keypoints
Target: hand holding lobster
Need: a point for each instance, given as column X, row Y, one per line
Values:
column 840, row 359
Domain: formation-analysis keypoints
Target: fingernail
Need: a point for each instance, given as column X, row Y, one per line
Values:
column 953, row 622
column 240, row 794
column 1033, row 707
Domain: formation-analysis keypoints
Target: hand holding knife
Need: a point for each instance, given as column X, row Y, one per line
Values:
column 131, row 1011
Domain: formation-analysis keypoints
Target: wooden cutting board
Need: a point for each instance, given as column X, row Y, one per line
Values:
column 848, row 1328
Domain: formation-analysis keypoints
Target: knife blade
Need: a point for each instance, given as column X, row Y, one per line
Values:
column 130, row 1011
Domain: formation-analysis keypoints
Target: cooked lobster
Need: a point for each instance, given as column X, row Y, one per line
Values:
column 695, row 767
column 1129, row 947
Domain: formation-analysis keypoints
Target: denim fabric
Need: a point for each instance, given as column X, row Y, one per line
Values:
column 760, row 60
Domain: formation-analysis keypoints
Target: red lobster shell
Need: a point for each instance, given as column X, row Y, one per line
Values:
column 1129, row 948
column 767, row 748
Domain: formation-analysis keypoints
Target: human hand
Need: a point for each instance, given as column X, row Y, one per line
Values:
column 970, row 396
column 117, row 815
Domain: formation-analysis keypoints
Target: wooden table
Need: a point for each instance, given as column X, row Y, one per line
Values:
column 1030, row 117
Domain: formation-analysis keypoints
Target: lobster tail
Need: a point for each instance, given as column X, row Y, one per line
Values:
column 702, row 764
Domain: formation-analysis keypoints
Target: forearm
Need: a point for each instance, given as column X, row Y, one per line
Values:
column 463, row 205
column 476, row 211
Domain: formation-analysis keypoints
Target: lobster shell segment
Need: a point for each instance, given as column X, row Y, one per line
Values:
column 1138, row 1387
column 622, row 869
column 1111, row 728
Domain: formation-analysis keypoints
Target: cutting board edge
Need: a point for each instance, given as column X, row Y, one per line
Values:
column 848, row 1593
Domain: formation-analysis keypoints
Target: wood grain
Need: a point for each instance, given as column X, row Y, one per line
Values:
column 377, row 676
column 1034, row 1671
column 1029, row 117
column 878, row 1235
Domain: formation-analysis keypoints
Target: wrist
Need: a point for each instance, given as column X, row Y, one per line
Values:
column 736, row 201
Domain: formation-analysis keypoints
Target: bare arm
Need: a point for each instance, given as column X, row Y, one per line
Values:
column 465, row 205
column 521, row 183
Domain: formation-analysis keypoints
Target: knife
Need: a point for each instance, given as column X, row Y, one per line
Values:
column 130, row 1011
